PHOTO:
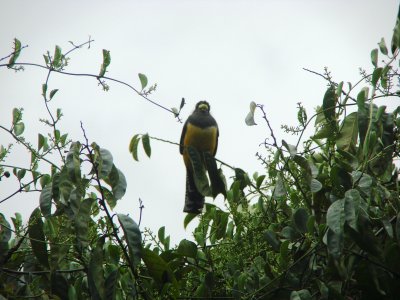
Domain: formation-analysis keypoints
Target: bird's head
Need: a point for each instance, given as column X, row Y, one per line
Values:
column 203, row 106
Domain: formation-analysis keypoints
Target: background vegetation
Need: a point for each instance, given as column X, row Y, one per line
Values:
column 322, row 221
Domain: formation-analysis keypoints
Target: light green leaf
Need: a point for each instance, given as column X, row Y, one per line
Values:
column 250, row 116
column 143, row 80
column 351, row 207
column 291, row 149
column 348, row 135
column 382, row 47
column 57, row 57
column 19, row 128
column 118, row 183
column 376, row 75
column 280, row 189
column 315, row 185
column 106, row 163
column 17, row 50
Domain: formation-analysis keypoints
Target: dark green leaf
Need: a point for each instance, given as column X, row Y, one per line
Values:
column 45, row 200
column 83, row 219
column 52, row 93
column 395, row 44
column 73, row 163
column 187, row 248
column 347, row 138
column 376, row 75
column 398, row 228
column 143, row 80
column 374, row 57
column 260, row 180
column 111, row 284
column 271, row 238
column 5, row 235
column 289, row 233
column 146, row 144
column 161, row 234
column 96, row 280
column 41, row 140
column 118, row 183
column 133, row 146
column 158, row 268
column 300, row 218
column 351, row 207
column 133, row 238
column 329, row 103
column 335, row 216
column 59, row 285
column 37, row 238
column 300, row 295
column 200, row 177
column 334, row 243
column 362, row 114
column 189, row 217
column 388, row 227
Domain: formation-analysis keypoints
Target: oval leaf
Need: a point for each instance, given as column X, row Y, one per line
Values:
column 133, row 238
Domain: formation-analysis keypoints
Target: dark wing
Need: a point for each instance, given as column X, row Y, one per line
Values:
column 181, row 146
column 216, row 143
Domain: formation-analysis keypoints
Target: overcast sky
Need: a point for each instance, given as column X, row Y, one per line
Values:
column 226, row 52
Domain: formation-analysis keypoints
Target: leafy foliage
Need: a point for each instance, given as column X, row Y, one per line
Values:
column 322, row 222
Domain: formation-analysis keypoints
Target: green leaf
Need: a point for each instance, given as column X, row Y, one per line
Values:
column 187, row 248
column 398, row 228
column 146, row 144
column 158, row 268
column 52, row 93
column 291, row 149
column 351, row 207
column 83, row 220
column 59, row 285
column 329, row 103
column 143, row 80
column 395, row 44
column 200, row 177
column 19, row 128
column 17, row 50
column 215, row 175
column 118, row 183
column 260, row 180
column 161, row 234
column 45, row 200
column 388, row 227
column 347, row 138
column 280, row 189
column 106, row 163
column 37, row 238
column 57, row 57
column 133, row 238
column 41, row 141
column 111, row 284
column 315, row 185
column 300, row 218
column 382, row 47
column 106, row 62
column 300, row 295
column 96, row 280
column 362, row 114
column 271, row 238
column 189, row 217
column 133, row 146
column 17, row 115
column 376, row 75
column 250, row 116
column 5, row 235
column 73, row 163
column 374, row 57
column 334, row 243
column 335, row 216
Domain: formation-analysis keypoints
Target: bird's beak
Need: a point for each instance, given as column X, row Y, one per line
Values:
column 203, row 107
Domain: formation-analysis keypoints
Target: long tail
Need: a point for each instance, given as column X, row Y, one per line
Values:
column 194, row 201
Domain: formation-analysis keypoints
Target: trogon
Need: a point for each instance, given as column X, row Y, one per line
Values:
column 200, row 131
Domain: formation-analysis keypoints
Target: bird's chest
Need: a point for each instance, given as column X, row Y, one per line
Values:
column 203, row 139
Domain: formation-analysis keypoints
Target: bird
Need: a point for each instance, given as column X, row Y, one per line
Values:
column 201, row 132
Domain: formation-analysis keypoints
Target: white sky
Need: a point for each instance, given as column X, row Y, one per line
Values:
column 226, row 52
